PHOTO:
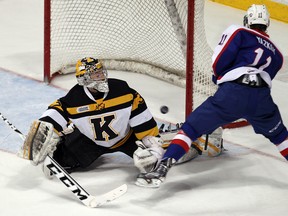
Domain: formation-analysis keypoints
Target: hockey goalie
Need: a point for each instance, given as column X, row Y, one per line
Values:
column 43, row 140
column 98, row 116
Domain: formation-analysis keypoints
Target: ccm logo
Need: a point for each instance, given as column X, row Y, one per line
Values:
column 68, row 182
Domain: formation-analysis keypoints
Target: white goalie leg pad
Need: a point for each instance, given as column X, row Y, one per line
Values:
column 211, row 147
column 152, row 141
column 40, row 141
column 212, row 144
column 168, row 137
column 149, row 153
column 191, row 154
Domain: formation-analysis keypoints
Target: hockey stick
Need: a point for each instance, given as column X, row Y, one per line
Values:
column 78, row 190
column 12, row 126
column 70, row 183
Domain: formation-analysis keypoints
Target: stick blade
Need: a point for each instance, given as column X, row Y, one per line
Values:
column 98, row 201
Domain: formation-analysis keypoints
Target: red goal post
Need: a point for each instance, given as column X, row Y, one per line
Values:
column 164, row 39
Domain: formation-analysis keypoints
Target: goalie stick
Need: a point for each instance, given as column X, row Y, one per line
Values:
column 70, row 183
column 78, row 190
column 12, row 126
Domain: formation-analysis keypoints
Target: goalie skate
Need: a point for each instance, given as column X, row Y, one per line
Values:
column 144, row 181
column 155, row 178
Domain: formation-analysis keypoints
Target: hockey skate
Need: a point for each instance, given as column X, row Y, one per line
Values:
column 155, row 178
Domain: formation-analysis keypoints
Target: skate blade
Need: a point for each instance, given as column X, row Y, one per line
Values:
column 152, row 183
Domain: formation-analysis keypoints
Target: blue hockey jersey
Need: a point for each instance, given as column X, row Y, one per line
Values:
column 241, row 51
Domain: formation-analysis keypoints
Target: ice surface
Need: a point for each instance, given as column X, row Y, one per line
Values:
column 249, row 179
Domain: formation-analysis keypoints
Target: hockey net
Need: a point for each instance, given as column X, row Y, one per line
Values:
column 142, row 36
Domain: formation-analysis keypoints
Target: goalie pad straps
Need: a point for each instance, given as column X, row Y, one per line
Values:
column 40, row 141
column 206, row 147
column 212, row 144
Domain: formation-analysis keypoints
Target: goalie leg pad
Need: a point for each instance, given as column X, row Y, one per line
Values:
column 40, row 141
column 191, row 154
column 211, row 145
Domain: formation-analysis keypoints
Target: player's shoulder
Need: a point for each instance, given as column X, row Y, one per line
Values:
column 242, row 30
column 76, row 91
column 117, row 81
column 245, row 30
column 117, row 84
column 118, row 88
column 234, row 28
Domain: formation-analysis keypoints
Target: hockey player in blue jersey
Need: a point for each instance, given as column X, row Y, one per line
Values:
column 244, row 63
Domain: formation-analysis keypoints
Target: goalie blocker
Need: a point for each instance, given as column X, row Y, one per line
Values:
column 40, row 142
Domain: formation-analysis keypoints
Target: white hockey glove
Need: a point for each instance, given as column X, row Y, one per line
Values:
column 40, row 141
column 149, row 153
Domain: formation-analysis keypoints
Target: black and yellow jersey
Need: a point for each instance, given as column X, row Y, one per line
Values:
column 108, row 119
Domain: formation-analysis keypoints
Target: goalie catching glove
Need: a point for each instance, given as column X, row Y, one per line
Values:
column 211, row 145
column 40, row 141
column 149, row 153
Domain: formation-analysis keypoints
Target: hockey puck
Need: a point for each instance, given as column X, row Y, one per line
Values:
column 164, row 109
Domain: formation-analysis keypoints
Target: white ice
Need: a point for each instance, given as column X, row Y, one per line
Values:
column 249, row 179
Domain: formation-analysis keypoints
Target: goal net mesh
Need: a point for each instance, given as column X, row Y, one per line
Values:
column 143, row 36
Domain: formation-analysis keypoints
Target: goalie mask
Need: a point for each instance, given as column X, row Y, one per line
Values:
column 257, row 14
column 91, row 73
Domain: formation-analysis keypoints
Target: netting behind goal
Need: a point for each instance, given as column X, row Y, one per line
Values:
column 143, row 36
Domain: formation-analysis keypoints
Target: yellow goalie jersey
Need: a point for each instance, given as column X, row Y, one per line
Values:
column 108, row 119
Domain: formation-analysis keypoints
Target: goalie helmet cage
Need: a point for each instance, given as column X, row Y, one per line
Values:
column 164, row 39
